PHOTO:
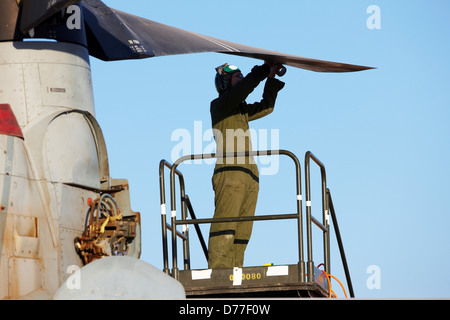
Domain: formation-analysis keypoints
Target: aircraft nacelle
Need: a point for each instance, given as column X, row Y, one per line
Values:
column 52, row 168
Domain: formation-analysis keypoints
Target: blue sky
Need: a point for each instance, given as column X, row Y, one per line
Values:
column 382, row 134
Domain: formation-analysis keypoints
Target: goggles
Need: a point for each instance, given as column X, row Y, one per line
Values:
column 227, row 69
column 230, row 69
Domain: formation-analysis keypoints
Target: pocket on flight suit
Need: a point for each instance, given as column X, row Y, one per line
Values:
column 231, row 178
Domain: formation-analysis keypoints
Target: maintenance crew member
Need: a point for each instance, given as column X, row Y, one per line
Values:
column 236, row 180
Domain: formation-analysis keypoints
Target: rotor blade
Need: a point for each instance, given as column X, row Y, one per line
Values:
column 155, row 39
column 116, row 35
column 36, row 11
column 108, row 37
column 286, row 59
column 297, row 61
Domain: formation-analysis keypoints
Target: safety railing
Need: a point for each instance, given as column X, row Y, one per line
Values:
column 324, row 226
column 327, row 210
column 340, row 244
column 186, row 205
column 184, row 221
column 164, row 224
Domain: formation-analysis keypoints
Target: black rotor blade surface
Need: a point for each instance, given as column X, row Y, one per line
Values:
column 110, row 35
column 116, row 35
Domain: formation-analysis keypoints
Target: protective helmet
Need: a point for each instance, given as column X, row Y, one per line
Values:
column 223, row 77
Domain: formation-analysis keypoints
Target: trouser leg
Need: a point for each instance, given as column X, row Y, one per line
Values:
column 235, row 196
column 244, row 229
column 222, row 235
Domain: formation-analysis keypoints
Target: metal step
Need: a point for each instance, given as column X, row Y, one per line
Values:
column 252, row 282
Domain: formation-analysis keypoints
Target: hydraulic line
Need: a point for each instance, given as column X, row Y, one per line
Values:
column 329, row 283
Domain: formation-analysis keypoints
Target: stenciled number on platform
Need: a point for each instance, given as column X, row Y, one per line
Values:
column 248, row 276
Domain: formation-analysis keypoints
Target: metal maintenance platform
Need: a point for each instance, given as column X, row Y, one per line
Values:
column 302, row 279
column 252, row 282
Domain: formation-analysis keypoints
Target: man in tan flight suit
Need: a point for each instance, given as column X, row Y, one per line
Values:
column 236, row 180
